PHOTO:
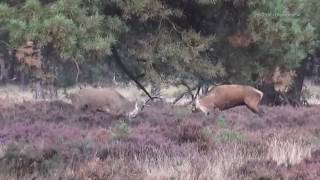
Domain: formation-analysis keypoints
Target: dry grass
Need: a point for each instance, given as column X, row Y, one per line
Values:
column 168, row 168
column 96, row 169
column 218, row 165
column 313, row 91
column 288, row 152
column 15, row 94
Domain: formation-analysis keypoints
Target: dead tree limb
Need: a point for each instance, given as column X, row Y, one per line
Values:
column 126, row 71
column 7, row 45
column 198, row 91
column 180, row 97
column 189, row 91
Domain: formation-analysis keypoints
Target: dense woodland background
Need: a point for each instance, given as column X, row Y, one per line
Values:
column 268, row 44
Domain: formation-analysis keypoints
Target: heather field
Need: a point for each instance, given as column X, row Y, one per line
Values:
column 51, row 140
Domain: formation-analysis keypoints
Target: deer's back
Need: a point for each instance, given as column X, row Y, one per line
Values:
column 100, row 98
column 226, row 96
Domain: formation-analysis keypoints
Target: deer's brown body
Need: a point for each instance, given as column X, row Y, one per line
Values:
column 104, row 99
column 227, row 96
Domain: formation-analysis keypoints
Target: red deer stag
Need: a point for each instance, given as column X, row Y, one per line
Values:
column 106, row 100
column 226, row 96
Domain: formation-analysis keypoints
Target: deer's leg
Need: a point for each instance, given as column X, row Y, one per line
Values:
column 205, row 110
column 252, row 104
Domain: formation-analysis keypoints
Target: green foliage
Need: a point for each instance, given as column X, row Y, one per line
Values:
column 5, row 12
column 225, row 136
column 72, row 30
column 182, row 112
column 283, row 26
column 120, row 131
column 221, row 122
column 170, row 50
column 58, row 30
column 188, row 57
column 95, row 72
column 83, row 146
column 208, row 133
column 145, row 9
column 24, row 160
column 170, row 40
column 166, row 49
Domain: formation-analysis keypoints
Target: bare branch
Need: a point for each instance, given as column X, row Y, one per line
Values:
column 173, row 25
column 189, row 91
column 180, row 97
column 6, row 44
column 78, row 69
column 124, row 68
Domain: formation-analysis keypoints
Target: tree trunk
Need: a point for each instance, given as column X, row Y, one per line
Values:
column 36, row 90
column 3, row 69
column 53, row 92
column 295, row 94
column 12, row 68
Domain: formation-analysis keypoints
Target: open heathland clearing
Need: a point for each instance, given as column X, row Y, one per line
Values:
column 52, row 140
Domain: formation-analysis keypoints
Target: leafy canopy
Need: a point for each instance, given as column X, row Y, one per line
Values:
column 75, row 29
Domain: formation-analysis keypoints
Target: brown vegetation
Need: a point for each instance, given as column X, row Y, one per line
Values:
column 28, row 56
column 241, row 40
column 281, row 79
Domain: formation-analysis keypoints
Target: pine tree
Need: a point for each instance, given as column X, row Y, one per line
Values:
column 238, row 41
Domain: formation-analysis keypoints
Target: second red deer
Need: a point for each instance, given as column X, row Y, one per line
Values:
column 106, row 100
column 227, row 96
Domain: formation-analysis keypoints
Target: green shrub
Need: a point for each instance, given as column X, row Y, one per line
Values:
column 227, row 135
column 120, row 131
column 24, row 160
column 221, row 122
